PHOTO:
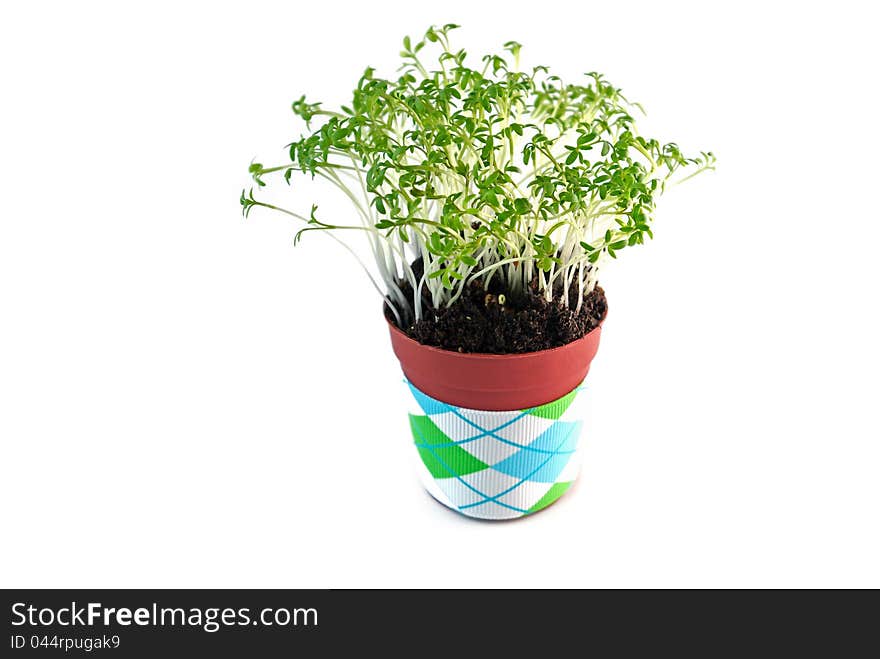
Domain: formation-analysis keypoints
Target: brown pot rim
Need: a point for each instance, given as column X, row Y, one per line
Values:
column 492, row 382
column 491, row 355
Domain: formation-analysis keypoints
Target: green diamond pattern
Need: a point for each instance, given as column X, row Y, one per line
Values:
column 442, row 457
column 556, row 491
column 554, row 409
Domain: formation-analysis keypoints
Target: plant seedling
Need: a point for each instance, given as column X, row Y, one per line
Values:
column 481, row 173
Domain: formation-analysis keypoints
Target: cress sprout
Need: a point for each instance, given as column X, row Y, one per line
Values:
column 481, row 173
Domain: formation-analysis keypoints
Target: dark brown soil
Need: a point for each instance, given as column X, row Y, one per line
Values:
column 525, row 322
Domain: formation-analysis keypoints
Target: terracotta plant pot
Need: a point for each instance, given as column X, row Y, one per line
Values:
column 497, row 434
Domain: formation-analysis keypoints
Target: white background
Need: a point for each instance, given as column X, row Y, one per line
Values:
column 183, row 401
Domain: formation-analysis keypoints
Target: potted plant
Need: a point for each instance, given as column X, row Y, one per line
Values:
column 490, row 198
